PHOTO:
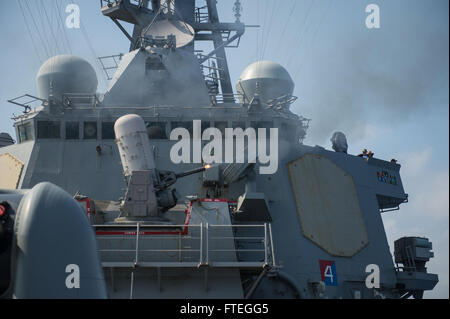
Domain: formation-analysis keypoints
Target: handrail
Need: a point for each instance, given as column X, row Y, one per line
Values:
column 110, row 62
column 137, row 242
column 265, row 246
column 70, row 100
column 201, row 242
column 209, row 244
column 271, row 245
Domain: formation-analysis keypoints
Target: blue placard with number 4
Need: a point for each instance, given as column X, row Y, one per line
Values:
column 328, row 272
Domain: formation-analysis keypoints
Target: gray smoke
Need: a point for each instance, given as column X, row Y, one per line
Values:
column 377, row 77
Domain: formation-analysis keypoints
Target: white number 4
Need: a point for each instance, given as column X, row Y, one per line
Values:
column 329, row 272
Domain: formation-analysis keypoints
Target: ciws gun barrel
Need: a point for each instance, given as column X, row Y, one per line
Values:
column 147, row 194
column 192, row 172
column 165, row 179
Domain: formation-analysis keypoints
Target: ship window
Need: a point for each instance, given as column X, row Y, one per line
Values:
column 72, row 130
column 48, row 129
column 108, row 131
column 221, row 126
column 90, row 130
column 156, row 130
column 25, row 132
column 186, row 125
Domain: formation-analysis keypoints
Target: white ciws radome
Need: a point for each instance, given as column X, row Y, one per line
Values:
column 133, row 143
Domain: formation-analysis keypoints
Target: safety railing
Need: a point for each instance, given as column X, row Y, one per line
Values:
column 253, row 245
column 70, row 100
column 109, row 3
column 110, row 64
column 27, row 101
column 225, row 98
column 226, row 246
column 201, row 14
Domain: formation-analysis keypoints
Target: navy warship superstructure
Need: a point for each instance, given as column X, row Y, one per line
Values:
column 93, row 204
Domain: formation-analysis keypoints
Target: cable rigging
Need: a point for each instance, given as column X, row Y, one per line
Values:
column 62, row 26
column 29, row 32
column 41, row 37
column 50, row 25
column 311, row 42
column 275, row 9
column 291, row 12
column 300, row 37
column 91, row 48
column 41, row 19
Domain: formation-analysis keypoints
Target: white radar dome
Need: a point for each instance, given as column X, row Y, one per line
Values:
column 269, row 79
column 66, row 74
column 133, row 143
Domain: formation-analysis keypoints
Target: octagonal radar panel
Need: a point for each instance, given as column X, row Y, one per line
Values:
column 327, row 205
column 183, row 32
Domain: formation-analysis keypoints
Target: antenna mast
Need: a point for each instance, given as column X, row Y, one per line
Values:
column 207, row 27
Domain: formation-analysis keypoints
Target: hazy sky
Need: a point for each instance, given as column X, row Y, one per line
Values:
column 386, row 89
